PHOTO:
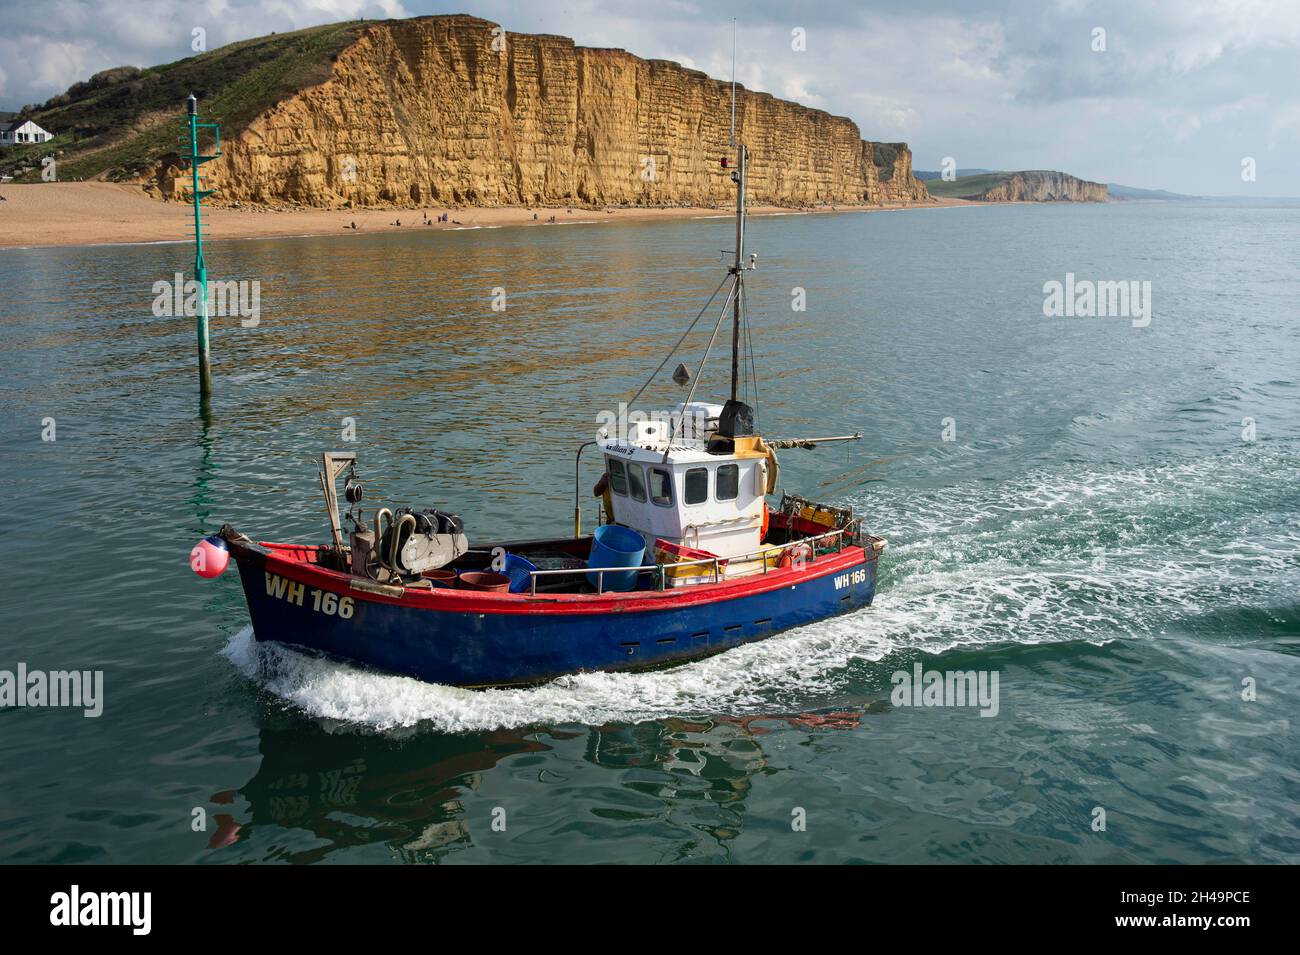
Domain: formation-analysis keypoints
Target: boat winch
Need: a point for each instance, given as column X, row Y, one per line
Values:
column 416, row 541
column 403, row 543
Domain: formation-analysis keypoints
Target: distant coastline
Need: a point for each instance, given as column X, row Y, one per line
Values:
column 1027, row 185
column 991, row 185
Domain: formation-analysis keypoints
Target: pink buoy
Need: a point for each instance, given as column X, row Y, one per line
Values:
column 209, row 557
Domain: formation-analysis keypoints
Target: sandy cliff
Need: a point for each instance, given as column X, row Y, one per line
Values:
column 441, row 110
column 1044, row 186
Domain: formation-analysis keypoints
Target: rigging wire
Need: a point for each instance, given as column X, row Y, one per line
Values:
column 705, row 357
column 744, row 331
column 673, row 350
column 749, row 346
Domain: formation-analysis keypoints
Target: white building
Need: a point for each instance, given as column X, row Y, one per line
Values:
column 20, row 133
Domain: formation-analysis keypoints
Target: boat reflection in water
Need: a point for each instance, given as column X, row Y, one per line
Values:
column 421, row 798
column 350, row 790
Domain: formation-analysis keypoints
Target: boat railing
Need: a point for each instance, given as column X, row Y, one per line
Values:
column 812, row 544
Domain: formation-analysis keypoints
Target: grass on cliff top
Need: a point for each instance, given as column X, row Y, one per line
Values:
column 966, row 187
column 118, row 123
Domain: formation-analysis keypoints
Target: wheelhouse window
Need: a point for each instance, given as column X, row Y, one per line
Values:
column 636, row 481
column 617, row 476
column 728, row 488
column 661, row 487
column 697, row 485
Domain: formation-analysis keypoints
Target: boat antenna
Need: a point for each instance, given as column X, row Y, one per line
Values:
column 733, row 81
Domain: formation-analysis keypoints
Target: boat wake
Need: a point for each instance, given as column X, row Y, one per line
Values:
column 1055, row 556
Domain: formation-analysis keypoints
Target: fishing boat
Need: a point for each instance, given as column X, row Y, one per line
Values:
column 689, row 558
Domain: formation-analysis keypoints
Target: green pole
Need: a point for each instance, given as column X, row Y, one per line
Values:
column 200, row 269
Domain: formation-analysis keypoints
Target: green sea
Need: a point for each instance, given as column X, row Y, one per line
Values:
column 1102, row 514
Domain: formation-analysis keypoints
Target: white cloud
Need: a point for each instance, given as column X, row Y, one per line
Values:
column 1286, row 123
column 1181, row 125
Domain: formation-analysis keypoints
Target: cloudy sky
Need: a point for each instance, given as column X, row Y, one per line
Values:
column 1183, row 91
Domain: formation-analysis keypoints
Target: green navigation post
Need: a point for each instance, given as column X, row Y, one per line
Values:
column 200, row 270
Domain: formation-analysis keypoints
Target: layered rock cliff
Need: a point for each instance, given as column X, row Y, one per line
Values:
column 1044, row 186
column 453, row 110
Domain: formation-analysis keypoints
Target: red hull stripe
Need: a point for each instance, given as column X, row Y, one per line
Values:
column 290, row 560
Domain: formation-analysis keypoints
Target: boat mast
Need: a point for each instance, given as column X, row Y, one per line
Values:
column 738, row 176
column 738, row 269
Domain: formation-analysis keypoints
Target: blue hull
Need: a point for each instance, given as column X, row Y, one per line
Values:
column 541, row 641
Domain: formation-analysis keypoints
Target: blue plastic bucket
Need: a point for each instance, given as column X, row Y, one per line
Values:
column 615, row 546
column 519, row 570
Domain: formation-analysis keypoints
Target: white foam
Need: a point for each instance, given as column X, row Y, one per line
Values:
column 751, row 678
column 1079, row 556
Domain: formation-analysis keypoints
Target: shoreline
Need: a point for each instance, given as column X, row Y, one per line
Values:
column 64, row 214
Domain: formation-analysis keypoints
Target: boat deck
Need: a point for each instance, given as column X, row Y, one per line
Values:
column 563, row 562
column 563, row 572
